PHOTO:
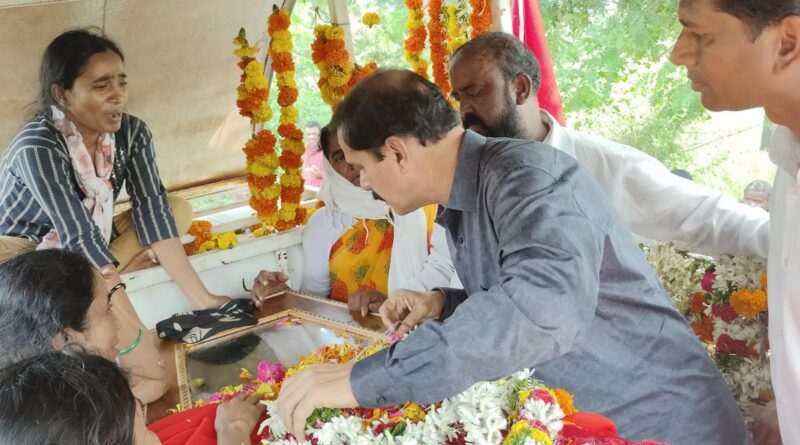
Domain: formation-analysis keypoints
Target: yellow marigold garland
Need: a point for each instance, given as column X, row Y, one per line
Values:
column 749, row 302
column 415, row 43
column 337, row 73
column 291, row 183
column 521, row 431
column 333, row 61
column 455, row 31
column 480, row 17
column 205, row 240
column 371, row 19
column 438, row 40
column 260, row 148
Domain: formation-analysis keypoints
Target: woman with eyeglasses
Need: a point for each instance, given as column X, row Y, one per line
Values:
column 50, row 299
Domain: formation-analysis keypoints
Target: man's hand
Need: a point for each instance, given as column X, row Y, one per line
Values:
column 766, row 431
column 411, row 308
column 365, row 302
column 268, row 283
column 237, row 418
column 318, row 386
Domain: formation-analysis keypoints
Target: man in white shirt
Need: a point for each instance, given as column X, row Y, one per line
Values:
column 495, row 78
column 742, row 54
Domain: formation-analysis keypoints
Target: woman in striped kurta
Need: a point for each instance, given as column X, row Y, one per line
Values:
column 61, row 174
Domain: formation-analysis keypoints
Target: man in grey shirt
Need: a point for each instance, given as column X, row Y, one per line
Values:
column 552, row 281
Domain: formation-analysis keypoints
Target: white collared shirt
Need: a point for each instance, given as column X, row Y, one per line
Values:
column 659, row 205
column 784, row 283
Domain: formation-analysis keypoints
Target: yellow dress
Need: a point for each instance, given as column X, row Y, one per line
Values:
column 360, row 258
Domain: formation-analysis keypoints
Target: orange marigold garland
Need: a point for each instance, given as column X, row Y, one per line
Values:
column 415, row 43
column 262, row 160
column 333, row 61
column 359, row 72
column 565, row 401
column 749, row 302
column 337, row 74
column 438, row 41
column 291, row 182
column 480, row 17
column 205, row 240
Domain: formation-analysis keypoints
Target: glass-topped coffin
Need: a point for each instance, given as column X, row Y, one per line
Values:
column 281, row 338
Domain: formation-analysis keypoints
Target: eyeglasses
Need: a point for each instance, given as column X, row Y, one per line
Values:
column 116, row 287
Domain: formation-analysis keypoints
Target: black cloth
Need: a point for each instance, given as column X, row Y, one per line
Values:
column 196, row 326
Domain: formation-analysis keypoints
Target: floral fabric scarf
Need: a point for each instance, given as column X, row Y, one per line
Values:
column 93, row 177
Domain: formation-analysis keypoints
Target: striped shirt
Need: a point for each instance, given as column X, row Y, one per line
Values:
column 39, row 192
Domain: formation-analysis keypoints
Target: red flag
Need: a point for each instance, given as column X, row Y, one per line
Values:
column 526, row 21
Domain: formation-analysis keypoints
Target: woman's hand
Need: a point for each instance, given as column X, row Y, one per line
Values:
column 237, row 418
column 216, row 301
column 170, row 254
column 365, row 302
column 268, row 283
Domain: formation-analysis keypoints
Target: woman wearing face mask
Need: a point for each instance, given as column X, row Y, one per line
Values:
column 354, row 251
column 74, row 398
column 62, row 173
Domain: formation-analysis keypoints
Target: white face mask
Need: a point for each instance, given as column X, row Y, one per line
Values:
column 339, row 193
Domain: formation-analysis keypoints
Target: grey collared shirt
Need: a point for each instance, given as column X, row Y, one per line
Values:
column 554, row 281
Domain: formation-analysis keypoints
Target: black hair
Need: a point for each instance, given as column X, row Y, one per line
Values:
column 68, row 398
column 682, row 173
column 759, row 186
column 510, row 53
column 759, row 14
column 312, row 124
column 65, row 59
column 393, row 102
column 42, row 293
column 324, row 140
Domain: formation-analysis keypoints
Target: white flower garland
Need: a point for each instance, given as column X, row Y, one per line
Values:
column 483, row 412
column 748, row 378
column 674, row 269
column 738, row 272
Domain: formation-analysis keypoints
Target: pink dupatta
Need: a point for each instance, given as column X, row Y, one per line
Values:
column 94, row 178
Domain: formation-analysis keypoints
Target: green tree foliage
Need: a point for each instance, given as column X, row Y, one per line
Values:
column 610, row 57
column 382, row 43
column 612, row 66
